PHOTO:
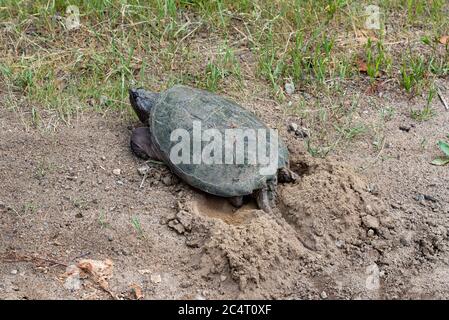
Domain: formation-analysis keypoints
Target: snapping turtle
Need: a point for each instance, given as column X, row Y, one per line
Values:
column 208, row 121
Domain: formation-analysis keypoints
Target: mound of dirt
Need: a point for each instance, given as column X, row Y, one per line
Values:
column 330, row 206
column 327, row 210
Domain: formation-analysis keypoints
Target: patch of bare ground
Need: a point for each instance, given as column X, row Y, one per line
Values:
column 368, row 221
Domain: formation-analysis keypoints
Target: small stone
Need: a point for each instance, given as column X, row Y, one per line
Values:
column 117, row 172
column 429, row 198
column 14, row 271
column 373, row 189
column 156, row 278
column 370, row 233
column 404, row 128
column 79, row 215
column 339, row 243
column 302, row 133
column 223, row 278
column 419, row 197
column 371, row 222
column 167, row 180
column 323, row 295
column 289, row 88
column 103, row 158
column 293, row 127
column 110, row 238
column 143, row 169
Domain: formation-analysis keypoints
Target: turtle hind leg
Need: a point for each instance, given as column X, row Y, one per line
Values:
column 262, row 199
column 287, row 175
column 266, row 197
column 142, row 146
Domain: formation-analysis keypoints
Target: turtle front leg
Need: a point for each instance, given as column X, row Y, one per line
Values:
column 142, row 146
column 287, row 175
column 263, row 203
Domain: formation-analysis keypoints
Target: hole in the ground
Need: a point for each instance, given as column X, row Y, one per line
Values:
column 301, row 168
column 220, row 208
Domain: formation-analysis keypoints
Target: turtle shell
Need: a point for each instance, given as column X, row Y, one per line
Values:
column 179, row 108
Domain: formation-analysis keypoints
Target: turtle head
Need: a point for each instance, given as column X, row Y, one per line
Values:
column 142, row 101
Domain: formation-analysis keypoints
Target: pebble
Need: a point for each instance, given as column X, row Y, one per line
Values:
column 323, row 295
column 430, row 198
column 369, row 209
column 302, row 133
column 103, row 158
column 223, row 278
column 419, row 197
column 370, row 233
column 117, row 172
column 339, row 243
column 293, row 127
column 167, row 180
column 371, row 222
column 14, row 271
column 373, row 189
column 289, row 88
column 404, row 128
column 156, row 278
column 143, row 169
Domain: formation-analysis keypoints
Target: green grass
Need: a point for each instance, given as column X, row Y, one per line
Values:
column 135, row 222
column 29, row 208
column 247, row 49
column 423, row 114
column 102, row 220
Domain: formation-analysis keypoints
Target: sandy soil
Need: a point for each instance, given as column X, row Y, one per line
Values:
column 360, row 224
